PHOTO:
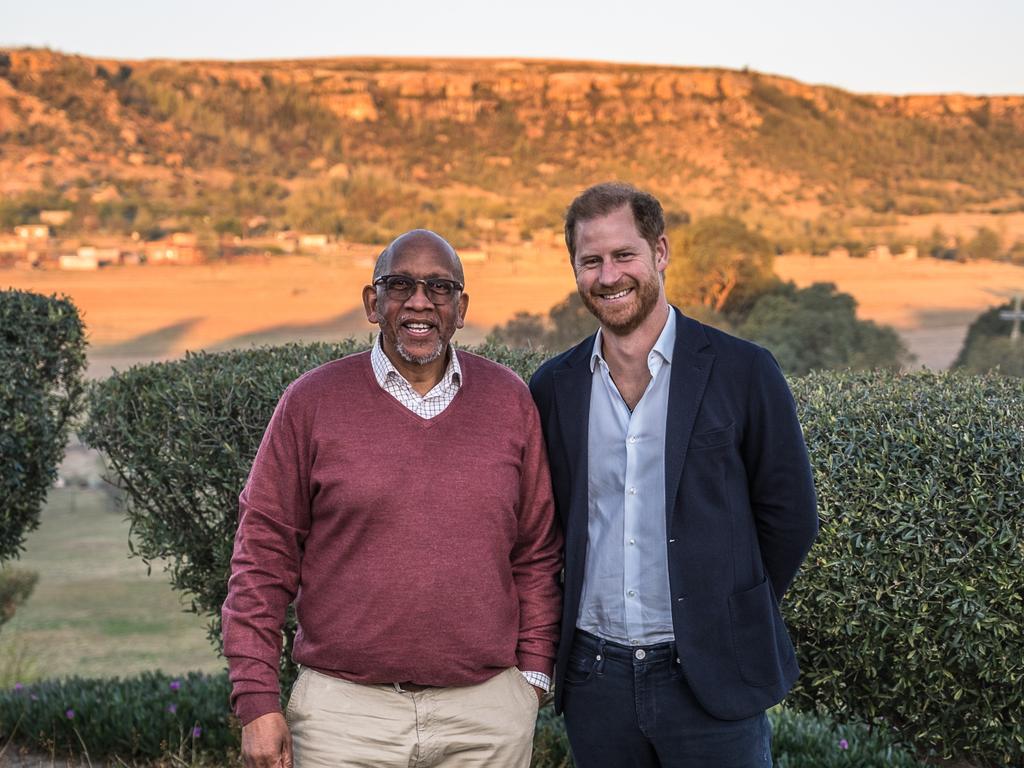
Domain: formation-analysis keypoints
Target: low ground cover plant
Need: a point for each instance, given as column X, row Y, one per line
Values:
column 158, row 718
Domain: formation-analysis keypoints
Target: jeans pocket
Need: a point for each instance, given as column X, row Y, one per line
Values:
column 582, row 666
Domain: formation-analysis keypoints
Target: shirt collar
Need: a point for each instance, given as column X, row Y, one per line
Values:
column 662, row 347
column 383, row 368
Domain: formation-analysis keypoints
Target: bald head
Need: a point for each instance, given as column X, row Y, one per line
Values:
column 414, row 240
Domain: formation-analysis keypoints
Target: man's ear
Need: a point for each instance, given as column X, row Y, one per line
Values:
column 463, row 306
column 370, row 304
column 661, row 253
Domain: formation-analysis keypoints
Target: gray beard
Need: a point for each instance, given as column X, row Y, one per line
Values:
column 421, row 359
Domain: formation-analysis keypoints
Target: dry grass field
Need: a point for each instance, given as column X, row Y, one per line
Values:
column 138, row 314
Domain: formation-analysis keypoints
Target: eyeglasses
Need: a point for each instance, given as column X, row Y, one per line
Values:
column 401, row 287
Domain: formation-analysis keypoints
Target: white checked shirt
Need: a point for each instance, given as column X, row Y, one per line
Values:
column 428, row 406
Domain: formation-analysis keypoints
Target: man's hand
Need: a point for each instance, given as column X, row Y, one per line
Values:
column 266, row 742
column 541, row 693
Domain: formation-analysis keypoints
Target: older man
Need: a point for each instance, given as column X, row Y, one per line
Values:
column 400, row 498
column 682, row 478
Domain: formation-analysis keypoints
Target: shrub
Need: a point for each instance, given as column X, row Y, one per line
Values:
column 817, row 327
column 155, row 716
column 909, row 609
column 988, row 345
column 143, row 717
column 181, row 436
column 42, row 355
column 801, row 740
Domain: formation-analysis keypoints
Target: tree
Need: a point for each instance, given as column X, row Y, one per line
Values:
column 717, row 263
column 987, row 345
column 42, row 356
column 567, row 323
column 817, row 328
column 984, row 245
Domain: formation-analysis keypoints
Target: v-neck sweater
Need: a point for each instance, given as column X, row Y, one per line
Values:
column 414, row 550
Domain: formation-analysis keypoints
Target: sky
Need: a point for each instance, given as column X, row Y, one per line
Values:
column 878, row 46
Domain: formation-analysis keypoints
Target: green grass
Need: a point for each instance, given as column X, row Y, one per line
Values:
column 95, row 611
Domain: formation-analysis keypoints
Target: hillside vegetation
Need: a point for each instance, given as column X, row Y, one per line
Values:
column 481, row 149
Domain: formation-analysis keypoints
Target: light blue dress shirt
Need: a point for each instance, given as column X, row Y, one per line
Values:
column 626, row 595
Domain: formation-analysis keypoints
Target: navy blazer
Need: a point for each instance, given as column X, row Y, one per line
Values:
column 740, row 507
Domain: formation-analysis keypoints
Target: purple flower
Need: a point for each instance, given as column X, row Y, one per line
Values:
column 18, row 686
column 69, row 714
column 175, row 684
column 844, row 744
column 172, row 708
column 197, row 732
column 34, row 697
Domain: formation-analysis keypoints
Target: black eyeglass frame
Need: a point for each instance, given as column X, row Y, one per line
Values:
column 437, row 298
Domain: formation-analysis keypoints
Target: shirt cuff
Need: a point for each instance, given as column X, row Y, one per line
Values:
column 538, row 680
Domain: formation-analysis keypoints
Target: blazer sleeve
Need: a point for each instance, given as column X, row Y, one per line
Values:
column 781, row 486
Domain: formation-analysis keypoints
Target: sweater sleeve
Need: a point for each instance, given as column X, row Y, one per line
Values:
column 537, row 555
column 273, row 520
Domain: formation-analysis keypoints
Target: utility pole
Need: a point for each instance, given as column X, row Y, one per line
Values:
column 1016, row 316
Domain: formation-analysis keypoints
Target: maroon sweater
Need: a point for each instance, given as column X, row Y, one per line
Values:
column 415, row 550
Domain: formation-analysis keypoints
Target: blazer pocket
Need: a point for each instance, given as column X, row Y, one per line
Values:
column 711, row 439
column 752, row 614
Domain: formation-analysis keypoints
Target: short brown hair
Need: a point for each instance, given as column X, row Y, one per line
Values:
column 602, row 199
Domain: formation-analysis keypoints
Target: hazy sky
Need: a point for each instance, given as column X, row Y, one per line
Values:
column 892, row 46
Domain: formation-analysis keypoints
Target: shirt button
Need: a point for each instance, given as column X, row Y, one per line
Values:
column 633, row 438
column 632, row 542
column 631, row 593
column 632, row 491
column 634, row 642
column 640, row 653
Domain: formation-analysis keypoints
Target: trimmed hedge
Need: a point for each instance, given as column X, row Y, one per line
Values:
column 42, row 357
column 908, row 613
column 153, row 716
column 181, row 436
column 910, row 609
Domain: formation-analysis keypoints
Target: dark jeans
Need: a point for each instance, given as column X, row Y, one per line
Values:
column 631, row 708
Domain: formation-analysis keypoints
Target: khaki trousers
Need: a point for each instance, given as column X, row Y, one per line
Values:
column 340, row 724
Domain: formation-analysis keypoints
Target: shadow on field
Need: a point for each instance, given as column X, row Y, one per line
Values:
column 158, row 343
column 352, row 323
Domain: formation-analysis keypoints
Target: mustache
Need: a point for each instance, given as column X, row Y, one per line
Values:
column 621, row 284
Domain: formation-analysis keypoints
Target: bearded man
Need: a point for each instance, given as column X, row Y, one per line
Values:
column 685, row 492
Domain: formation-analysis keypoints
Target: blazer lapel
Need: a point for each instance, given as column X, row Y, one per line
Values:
column 690, row 371
column 572, row 403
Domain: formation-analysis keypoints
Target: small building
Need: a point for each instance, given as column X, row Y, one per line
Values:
column 168, row 252
column 473, row 256
column 33, row 231
column 312, row 241
column 12, row 244
column 77, row 261
column 839, row 252
column 55, row 218
column 880, row 253
column 184, row 239
column 104, row 257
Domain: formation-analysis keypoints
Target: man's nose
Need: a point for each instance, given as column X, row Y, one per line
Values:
column 610, row 272
column 419, row 298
